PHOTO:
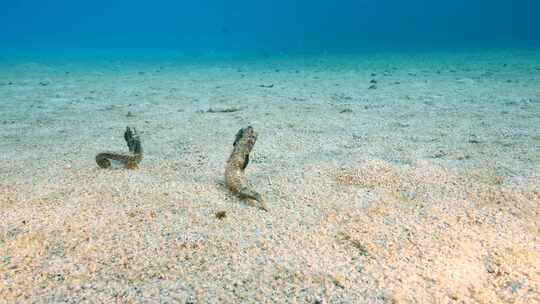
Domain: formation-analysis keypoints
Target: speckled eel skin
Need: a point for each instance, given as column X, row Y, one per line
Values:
column 129, row 160
column 235, row 177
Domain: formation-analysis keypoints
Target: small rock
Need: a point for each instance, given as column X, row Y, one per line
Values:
column 339, row 281
column 402, row 125
column 221, row 215
column 473, row 139
column 439, row 154
column 513, row 286
column 454, row 296
column 463, row 157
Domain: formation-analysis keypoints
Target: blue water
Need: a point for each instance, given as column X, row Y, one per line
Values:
column 278, row 26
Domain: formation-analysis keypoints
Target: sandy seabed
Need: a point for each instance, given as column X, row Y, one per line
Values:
column 424, row 188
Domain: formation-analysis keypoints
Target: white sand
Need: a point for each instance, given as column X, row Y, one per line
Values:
column 422, row 191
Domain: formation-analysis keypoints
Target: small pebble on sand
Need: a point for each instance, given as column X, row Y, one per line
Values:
column 221, row 215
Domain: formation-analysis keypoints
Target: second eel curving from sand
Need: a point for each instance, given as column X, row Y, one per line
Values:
column 235, row 177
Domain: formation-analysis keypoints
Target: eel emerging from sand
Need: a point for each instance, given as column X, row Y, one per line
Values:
column 129, row 160
column 235, row 178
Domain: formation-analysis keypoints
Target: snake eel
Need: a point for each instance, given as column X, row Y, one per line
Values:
column 129, row 160
column 235, row 178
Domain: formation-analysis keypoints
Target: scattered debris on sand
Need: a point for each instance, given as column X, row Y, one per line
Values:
column 223, row 110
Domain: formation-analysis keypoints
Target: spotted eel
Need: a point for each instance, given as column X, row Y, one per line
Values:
column 129, row 160
column 235, row 178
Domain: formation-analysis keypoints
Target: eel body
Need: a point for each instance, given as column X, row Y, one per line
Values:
column 131, row 159
column 235, row 177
